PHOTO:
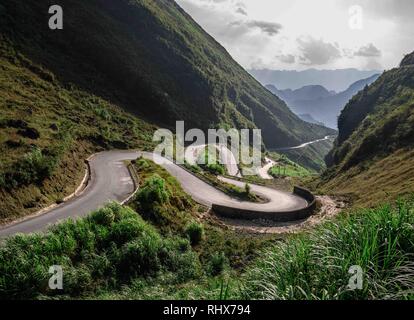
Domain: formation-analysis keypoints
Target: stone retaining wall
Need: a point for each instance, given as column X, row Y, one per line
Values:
column 277, row 216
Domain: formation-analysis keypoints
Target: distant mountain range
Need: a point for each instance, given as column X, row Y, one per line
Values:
column 321, row 105
column 336, row 80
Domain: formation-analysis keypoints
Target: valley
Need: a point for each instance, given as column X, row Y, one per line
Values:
column 84, row 185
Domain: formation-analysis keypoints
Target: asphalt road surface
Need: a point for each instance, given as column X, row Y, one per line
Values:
column 110, row 180
column 264, row 171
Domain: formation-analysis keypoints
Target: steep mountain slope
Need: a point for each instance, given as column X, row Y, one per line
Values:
column 336, row 80
column 311, row 92
column 152, row 59
column 321, row 104
column 373, row 154
column 47, row 129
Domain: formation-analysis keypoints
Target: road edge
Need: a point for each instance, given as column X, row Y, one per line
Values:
column 135, row 180
column 78, row 192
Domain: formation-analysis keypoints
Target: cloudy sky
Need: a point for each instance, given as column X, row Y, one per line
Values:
column 302, row 34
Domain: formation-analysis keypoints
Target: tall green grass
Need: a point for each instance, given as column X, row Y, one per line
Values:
column 316, row 265
column 105, row 251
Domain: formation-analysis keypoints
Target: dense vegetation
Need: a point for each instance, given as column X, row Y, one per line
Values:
column 114, row 253
column 375, row 141
column 116, row 250
column 316, row 265
column 162, row 201
column 105, row 250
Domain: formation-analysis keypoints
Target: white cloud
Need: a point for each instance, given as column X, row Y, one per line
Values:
column 286, row 58
column 368, row 51
column 266, row 32
column 317, row 51
column 269, row 28
column 242, row 11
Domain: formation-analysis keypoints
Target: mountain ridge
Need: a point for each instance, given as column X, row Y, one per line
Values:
column 321, row 104
column 373, row 153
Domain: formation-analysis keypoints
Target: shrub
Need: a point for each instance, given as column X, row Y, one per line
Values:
column 126, row 230
column 186, row 266
column 121, row 212
column 153, row 190
column 34, row 167
column 77, row 279
column 195, row 232
column 141, row 256
column 103, row 113
column 247, row 189
column 104, row 216
column 141, row 163
column 215, row 169
column 218, row 262
column 178, row 257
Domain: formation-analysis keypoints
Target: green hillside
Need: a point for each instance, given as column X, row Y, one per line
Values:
column 372, row 155
column 152, row 59
column 47, row 130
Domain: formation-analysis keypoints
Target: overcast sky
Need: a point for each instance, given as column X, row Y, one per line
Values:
column 302, row 34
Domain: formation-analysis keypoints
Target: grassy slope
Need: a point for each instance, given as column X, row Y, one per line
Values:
column 65, row 117
column 287, row 168
column 312, row 156
column 376, row 181
column 372, row 156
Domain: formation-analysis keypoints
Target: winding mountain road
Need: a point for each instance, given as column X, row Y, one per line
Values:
column 227, row 158
column 110, row 180
column 303, row 145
